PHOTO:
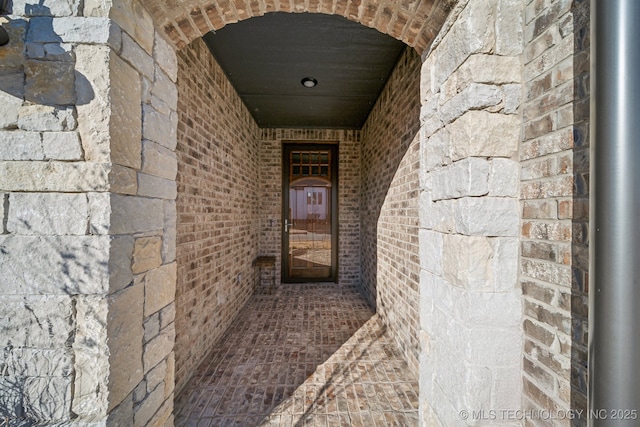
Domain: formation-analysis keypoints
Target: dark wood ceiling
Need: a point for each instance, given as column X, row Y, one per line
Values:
column 267, row 57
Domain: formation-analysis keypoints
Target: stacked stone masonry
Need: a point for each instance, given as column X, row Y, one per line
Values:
column 88, row 186
column 470, row 301
column 390, row 265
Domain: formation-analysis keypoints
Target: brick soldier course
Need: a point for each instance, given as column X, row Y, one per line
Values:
column 137, row 191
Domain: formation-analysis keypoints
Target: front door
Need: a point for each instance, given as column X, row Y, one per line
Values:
column 310, row 231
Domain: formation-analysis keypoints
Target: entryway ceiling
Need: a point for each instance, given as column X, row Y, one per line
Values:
column 266, row 58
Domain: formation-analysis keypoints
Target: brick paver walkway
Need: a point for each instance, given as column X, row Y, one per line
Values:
column 307, row 355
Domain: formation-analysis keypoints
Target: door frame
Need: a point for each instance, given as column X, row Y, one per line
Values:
column 287, row 147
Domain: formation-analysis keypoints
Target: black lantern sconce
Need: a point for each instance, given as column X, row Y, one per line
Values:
column 4, row 10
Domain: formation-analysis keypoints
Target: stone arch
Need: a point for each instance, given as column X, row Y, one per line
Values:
column 414, row 23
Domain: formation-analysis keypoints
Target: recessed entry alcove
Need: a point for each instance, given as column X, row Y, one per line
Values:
column 297, row 134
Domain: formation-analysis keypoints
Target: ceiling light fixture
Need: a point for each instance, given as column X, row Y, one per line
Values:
column 309, row 82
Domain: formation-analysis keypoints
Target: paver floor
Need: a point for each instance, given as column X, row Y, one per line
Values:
column 306, row 355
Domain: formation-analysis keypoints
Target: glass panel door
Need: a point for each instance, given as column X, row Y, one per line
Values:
column 310, row 226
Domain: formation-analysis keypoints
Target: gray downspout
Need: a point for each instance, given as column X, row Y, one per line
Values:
column 614, row 290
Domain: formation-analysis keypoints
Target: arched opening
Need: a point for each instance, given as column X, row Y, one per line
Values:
column 415, row 24
column 230, row 183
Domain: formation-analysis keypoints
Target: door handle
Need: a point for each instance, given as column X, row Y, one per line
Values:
column 286, row 226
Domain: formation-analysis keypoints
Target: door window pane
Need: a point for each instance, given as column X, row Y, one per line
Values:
column 315, row 164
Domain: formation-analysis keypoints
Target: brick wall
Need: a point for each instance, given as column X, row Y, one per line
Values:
column 414, row 23
column 554, row 203
column 348, row 195
column 217, row 205
column 390, row 265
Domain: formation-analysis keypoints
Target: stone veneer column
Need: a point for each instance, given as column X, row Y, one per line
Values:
column 471, row 312
column 87, row 178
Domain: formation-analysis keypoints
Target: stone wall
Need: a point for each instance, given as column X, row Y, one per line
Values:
column 390, row 265
column 348, row 195
column 88, row 264
column 218, row 206
column 554, row 202
column 470, row 300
